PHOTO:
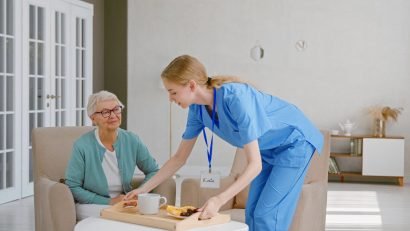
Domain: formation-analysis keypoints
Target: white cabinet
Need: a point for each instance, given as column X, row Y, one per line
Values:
column 373, row 157
column 383, row 157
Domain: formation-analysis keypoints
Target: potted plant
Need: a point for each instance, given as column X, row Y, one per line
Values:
column 381, row 114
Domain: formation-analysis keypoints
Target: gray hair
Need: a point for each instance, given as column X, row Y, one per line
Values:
column 98, row 97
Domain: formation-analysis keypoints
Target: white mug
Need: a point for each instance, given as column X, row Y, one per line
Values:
column 149, row 203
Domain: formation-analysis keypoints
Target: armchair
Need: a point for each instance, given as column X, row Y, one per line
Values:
column 53, row 202
column 310, row 214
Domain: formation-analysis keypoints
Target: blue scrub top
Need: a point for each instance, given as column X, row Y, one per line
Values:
column 246, row 114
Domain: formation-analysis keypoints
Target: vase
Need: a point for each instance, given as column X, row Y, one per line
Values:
column 379, row 128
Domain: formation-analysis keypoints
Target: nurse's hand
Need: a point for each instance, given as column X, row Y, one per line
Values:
column 132, row 195
column 210, row 208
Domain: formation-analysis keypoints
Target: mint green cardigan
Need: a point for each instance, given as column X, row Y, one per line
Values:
column 85, row 176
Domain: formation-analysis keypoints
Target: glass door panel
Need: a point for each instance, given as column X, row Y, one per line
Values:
column 60, row 78
column 80, row 73
column 83, row 50
column 9, row 165
column 37, row 79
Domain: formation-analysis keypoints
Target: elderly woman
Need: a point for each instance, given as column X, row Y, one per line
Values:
column 103, row 161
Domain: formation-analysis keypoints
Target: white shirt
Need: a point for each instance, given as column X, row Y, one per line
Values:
column 111, row 170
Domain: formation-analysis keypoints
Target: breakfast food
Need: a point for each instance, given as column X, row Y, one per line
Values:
column 184, row 211
column 131, row 203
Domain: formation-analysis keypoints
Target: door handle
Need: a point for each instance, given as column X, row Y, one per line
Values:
column 50, row 96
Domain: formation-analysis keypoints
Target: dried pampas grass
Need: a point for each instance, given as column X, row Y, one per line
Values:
column 385, row 113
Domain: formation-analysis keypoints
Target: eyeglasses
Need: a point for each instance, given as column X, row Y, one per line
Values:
column 107, row 112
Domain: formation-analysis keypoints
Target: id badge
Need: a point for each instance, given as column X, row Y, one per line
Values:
column 210, row 180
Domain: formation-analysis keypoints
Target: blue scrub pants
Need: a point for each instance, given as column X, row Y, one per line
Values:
column 274, row 193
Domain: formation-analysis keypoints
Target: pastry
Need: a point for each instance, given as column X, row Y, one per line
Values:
column 184, row 211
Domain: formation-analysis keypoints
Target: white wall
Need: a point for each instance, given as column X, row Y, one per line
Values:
column 358, row 55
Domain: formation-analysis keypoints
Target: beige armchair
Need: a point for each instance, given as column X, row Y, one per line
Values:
column 53, row 201
column 310, row 214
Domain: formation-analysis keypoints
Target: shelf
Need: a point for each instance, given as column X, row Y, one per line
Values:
column 346, row 174
column 342, row 175
column 348, row 155
column 366, row 136
column 351, row 137
column 376, row 157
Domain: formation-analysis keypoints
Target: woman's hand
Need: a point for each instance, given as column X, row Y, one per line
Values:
column 210, row 208
column 117, row 199
column 133, row 195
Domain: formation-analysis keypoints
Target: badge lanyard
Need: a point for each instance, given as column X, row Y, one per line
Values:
column 209, row 150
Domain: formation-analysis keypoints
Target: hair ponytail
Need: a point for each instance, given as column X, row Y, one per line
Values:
column 218, row 81
column 185, row 68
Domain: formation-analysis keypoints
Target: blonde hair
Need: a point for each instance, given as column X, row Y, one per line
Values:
column 98, row 97
column 185, row 68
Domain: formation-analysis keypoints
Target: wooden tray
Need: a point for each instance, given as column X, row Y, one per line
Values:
column 160, row 220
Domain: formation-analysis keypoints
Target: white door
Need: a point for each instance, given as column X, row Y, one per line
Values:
column 36, row 82
column 81, row 28
column 57, row 98
column 45, row 79
column 10, row 106
column 71, row 68
column 49, row 73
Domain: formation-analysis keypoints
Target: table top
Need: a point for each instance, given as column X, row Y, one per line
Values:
column 101, row 224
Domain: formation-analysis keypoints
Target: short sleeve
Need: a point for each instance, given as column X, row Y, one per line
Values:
column 249, row 114
column 194, row 125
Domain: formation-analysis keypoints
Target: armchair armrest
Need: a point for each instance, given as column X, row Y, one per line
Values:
column 55, row 208
column 62, row 207
column 193, row 194
column 311, row 207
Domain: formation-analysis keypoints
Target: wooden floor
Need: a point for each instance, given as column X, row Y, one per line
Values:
column 351, row 207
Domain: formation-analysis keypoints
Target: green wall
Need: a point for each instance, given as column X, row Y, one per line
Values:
column 115, row 51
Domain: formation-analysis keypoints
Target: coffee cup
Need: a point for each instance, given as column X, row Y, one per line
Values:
column 149, row 203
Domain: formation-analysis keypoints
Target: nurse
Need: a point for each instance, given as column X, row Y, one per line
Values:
column 278, row 141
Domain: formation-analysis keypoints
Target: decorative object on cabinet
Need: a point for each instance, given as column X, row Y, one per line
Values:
column 347, row 127
column 367, row 156
column 381, row 114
